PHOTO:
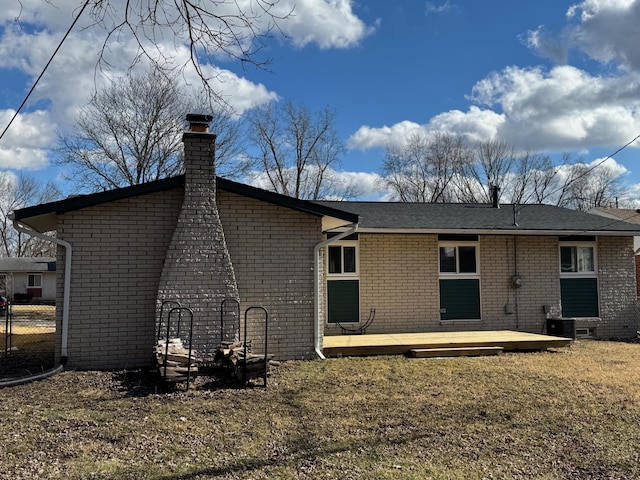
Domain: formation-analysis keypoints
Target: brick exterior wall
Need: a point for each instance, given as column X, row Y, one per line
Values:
column 272, row 252
column 535, row 260
column 118, row 256
column 637, row 261
column 617, row 288
column 119, row 250
column 399, row 276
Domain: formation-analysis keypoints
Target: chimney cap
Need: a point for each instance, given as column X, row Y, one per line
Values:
column 199, row 122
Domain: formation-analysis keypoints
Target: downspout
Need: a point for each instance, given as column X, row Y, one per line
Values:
column 316, row 284
column 67, row 281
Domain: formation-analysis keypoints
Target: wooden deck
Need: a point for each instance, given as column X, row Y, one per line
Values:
column 403, row 343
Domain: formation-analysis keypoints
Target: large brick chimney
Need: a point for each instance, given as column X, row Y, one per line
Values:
column 197, row 270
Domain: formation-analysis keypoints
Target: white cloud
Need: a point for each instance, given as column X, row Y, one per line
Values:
column 546, row 44
column 433, row 8
column 607, row 30
column 533, row 109
column 25, row 14
column 328, row 23
column 474, row 125
column 565, row 108
column 367, row 137
column 73, row 76
column 363, row 182
column 25, row 144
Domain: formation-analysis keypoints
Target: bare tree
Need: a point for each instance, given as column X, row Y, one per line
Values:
column 443, row 169
column 532, row 180
column 209, row 29
column 584, row 187
column 492, row 164
column 297, row 151
column 424, row 169
column 130, row 133
column 21, row 192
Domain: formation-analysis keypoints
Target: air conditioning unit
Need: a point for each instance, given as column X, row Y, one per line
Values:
column 561, row 327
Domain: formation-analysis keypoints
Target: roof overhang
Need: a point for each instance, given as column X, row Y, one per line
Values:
column 45, row 222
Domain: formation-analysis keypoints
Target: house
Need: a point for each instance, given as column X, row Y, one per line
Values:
column 28, row 278
column 314, row 266
column 447, row 267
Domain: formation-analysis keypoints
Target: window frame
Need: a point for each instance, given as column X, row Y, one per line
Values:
column 34, row 275
column 457, row 273
column 342, row 274
column 579, row 274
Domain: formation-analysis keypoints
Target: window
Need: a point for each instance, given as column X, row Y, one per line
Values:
column 577, row 259
column 459, row 279
column 34, row 280
column 458, row 259
column 342, row 260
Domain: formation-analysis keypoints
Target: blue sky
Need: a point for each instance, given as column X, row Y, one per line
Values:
column 545, row 75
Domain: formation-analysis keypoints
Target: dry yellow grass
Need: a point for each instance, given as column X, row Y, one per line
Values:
column 34, row 312
column 570, row 414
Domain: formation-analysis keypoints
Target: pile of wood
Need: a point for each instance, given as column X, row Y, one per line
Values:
column 231, row 355
column 180, row 367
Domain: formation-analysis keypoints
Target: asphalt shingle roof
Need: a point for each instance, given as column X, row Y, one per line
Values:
column 28, row 264
column 479, row 217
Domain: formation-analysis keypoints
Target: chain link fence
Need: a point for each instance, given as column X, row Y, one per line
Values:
column 27, row 339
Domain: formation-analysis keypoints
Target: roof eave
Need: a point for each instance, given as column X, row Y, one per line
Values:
column 467, row 231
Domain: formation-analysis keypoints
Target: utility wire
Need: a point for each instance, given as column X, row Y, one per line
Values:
column 521, row 207
column 75, row 20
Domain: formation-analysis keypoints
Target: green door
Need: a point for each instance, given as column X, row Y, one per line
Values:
column 343, row 301
column 579, row 297
column 460, row 299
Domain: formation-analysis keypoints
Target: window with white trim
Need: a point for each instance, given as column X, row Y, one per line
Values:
column 342, row 259
column 577, row 259
column 34, row 280
column 458, row 259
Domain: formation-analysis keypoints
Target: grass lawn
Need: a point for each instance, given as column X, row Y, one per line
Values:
column 569, row 414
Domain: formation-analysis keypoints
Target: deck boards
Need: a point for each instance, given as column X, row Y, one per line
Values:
column 401, row 343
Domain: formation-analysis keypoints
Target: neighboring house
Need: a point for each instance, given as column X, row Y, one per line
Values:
column 315, row 265
column 28, row 278
column 628, row 215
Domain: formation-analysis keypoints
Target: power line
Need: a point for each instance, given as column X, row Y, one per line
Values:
column 75, row 20
column 584, row 173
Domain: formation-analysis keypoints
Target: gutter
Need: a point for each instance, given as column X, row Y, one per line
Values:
column 316, row 285
column 67, row 281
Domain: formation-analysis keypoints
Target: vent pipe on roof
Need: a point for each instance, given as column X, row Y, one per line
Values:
column 494, row 196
